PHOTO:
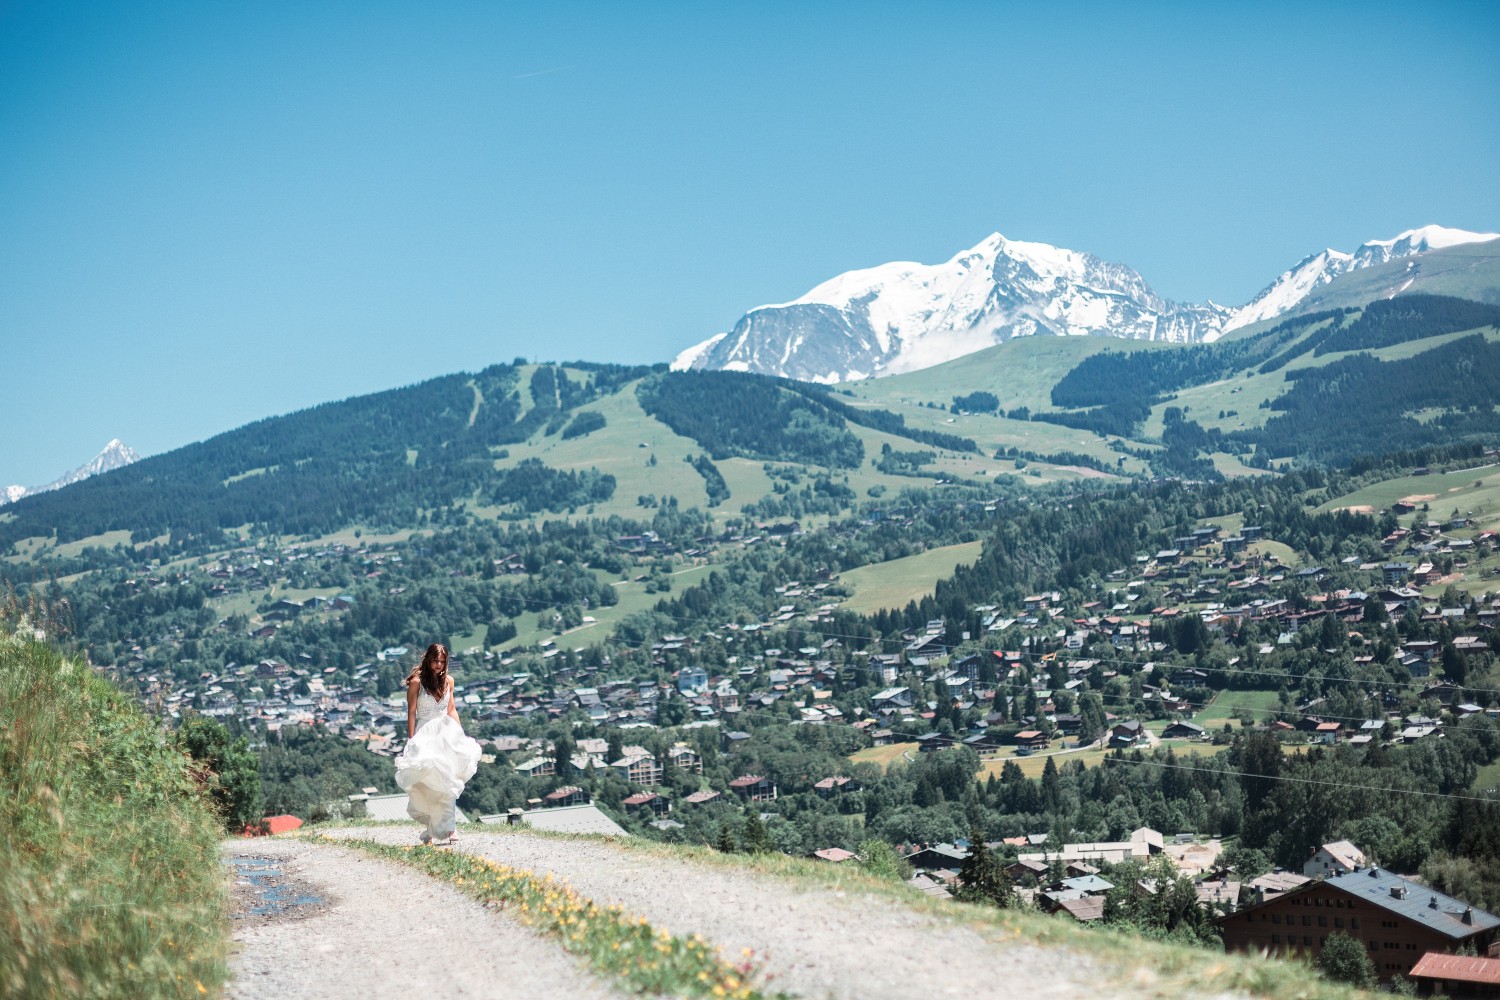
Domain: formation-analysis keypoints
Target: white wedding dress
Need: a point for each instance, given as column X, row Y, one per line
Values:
column 434, row 766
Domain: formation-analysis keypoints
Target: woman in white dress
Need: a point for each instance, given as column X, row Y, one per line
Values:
column 438, row 758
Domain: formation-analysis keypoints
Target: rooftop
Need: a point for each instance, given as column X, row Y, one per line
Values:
column 1453, row 918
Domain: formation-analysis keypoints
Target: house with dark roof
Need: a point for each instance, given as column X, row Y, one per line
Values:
column 939, row 857
column 1397, row 920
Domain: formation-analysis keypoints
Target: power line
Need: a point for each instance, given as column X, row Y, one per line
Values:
column 1304, row 781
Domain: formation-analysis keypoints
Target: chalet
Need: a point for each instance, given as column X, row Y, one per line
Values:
column 967, row 667
column 731, row 739
column 537, row 767
column 1396, row 919
column 1126, row 734
column 686, row 759
column 926, row 646
column 754, row 788
column 893, row 698
column 928, row 742
column 692, row 680
column 1032, row 740
column 701, row 798
column 1273, row 884
column 939, row 857
column 837, row 785
column 1032, row 871
column 1183, row 730
column 982, row 742
column 656, row 805
column 567, row 795
column 1332, row 859
column 1083, row 909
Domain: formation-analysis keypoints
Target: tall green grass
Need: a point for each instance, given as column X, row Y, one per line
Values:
column 110, row 884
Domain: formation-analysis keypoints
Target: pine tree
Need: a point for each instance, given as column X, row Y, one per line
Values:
column 725, row 843
column 756, row 837
column 982, row 878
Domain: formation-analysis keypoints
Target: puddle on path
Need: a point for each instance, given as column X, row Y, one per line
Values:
column 263, row 890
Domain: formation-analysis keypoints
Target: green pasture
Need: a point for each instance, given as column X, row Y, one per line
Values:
column 892, row 584
column 355, row 536
column 623, row 448
column 1285, row 554
column 1488, row 778
column 1442, row 492
column 632, row 598
column 1226, row 704
column 1021, row 372
column 1231, row 467
column 884, row 756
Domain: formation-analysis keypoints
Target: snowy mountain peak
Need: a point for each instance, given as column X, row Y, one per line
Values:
column 904, row 315
column 1434, row 238
column 115, row 455
column 1318, row 270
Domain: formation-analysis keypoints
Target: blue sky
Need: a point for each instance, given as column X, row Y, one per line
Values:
column 212, row 213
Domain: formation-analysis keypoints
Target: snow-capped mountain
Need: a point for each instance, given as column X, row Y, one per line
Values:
column 115, row 455
column 905, row 316
column 1293, row 286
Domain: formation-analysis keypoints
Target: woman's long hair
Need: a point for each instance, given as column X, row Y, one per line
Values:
column 427, row 670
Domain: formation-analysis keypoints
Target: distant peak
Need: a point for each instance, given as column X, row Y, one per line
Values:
column 1435, row 238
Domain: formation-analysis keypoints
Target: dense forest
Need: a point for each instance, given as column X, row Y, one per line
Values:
column 381, row 459
column 733, row 414
column 1361, row 406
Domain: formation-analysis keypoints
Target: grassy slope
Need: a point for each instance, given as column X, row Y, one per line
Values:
column 1021, row 372
column 623, row 448
column 1488, row 778
column 109, row 882
column 892, row 584
column 1245, row 392
column 1473, row 492
column 1447, row 490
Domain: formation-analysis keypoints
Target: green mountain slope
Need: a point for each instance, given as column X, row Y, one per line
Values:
column 530, row 441
column 512, row 441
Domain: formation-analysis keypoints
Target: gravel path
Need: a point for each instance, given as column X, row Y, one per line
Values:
column 813, row 942
column 386, row 930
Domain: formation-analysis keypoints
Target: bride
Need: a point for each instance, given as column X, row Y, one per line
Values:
column 438, row 757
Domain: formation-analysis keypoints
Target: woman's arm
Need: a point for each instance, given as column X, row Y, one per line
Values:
column 412, row 686
column 453, row 708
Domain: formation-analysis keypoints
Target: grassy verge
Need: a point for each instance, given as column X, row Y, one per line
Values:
column 109, row 882
column 614, row 943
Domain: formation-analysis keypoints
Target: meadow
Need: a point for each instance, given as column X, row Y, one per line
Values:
column 892, row 584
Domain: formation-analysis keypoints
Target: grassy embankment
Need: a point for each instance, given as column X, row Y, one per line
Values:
column 109, row 882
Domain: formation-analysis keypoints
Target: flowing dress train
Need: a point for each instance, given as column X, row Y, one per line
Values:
column 434, row 766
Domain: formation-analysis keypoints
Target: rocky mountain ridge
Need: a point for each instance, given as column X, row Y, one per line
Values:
column 904, row 316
